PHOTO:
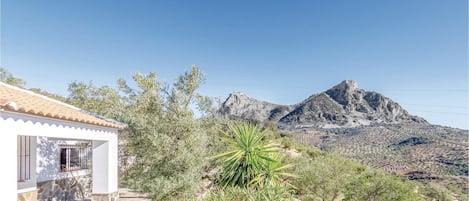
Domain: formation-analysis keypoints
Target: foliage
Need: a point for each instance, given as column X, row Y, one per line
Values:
column 263, row 193
column 323, row 177
column 375, row 185
column 273, row 173
column 100, row 100
column 164, row 141
column 329, row 177
column 48, row 94
column 216, row 129
column 437, row 192
column 459, row 191
column 7, row 77
column 252, row 160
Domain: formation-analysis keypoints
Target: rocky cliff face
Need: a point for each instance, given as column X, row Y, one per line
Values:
column 241, row 106
column 344, row 105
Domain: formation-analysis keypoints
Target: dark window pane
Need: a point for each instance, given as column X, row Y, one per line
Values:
column 63, row 159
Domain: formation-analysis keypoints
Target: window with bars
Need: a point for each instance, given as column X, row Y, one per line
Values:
column 24, row 158
column 75, row 157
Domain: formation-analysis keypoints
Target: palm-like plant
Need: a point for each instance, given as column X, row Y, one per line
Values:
column 251, row 161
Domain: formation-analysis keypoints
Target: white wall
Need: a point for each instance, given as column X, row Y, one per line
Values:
column 105, row 154
column 31, row 183
column 48, row 160
column 13, row 124
column 8, row 181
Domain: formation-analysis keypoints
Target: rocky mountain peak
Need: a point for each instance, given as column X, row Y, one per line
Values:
column 239, row 105
column 345, row 93
column 346, row 86
column 344, row 105
column 237, row 93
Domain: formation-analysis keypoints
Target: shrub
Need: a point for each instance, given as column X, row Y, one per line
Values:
column 263, row 193
column 436, row 191
column 252, row 160
column 375, row 185
column 323, row 177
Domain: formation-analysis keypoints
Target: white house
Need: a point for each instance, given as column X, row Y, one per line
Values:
column 54, row 151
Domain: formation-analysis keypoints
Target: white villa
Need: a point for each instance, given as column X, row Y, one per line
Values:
column 62, row 152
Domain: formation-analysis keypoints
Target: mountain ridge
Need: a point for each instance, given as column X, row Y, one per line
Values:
column 343, row 105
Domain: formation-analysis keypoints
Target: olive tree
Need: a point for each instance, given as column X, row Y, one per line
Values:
column 7, row 77
column 164, row 139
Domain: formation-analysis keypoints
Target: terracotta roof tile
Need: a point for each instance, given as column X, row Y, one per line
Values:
column 24, row 101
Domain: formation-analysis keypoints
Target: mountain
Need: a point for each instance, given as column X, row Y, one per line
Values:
column 239, row 105
column 367, row 127
column 344, row 105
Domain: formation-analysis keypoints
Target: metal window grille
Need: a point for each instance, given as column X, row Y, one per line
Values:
column 24, row 158
column 75, row 157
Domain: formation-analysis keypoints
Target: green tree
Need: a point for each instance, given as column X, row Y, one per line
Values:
column 102, row 100
column 164, row 139
column 50, row 95
column 7, row 77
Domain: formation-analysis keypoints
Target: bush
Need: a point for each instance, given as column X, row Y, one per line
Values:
column 251, row 160
column 375, row 185
column 263, row 193
column 322, row 177
column 437, row 192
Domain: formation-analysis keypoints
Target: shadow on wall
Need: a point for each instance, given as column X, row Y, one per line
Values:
column 48, row 159
column 56, row 185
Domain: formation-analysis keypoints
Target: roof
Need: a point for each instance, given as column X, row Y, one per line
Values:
column 23, row 101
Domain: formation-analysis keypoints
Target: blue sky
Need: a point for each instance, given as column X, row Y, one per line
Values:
column 413, row 51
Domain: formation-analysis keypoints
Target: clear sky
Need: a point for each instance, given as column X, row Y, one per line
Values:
column 413, row 51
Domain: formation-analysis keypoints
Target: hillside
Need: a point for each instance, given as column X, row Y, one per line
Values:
column 369, row 128
column 420, row 152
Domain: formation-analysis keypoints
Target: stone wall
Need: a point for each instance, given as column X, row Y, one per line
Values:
column 73, row 188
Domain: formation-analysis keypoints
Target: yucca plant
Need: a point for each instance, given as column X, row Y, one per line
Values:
column 251, row 161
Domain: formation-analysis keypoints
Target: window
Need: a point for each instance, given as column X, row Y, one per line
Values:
column 75, row 157
column 24, row 158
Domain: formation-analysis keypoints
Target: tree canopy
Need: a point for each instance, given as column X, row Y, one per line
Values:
column 164, row 141
column 7, row 77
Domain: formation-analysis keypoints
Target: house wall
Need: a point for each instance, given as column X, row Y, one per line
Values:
column 71, row 188
column 53, row 184
column 28, row 185
column 48, row 160
column 13, row 124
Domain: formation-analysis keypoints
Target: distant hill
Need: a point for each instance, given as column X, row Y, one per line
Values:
column 368, row 127
column 344, row 105
column 421, row 152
